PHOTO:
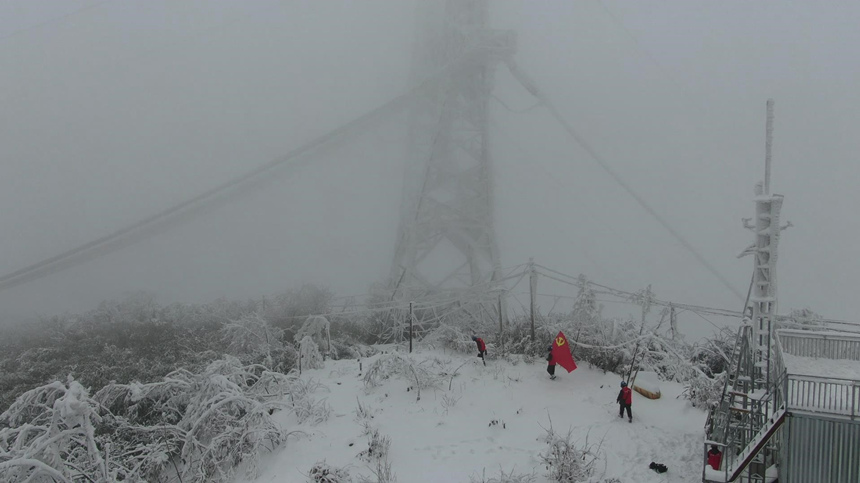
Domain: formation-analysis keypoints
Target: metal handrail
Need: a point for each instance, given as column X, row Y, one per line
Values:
column 816, row 344
column 823, row 395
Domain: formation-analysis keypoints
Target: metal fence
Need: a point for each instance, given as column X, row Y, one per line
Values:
column 815, row 344
column 823, row 395
column 818, row 393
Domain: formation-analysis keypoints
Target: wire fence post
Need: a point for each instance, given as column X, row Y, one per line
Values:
column 410, row 326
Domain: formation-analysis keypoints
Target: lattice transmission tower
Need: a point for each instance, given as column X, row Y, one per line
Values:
column 446, row 247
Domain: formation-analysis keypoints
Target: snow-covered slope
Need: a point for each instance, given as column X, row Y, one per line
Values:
column 435, row 440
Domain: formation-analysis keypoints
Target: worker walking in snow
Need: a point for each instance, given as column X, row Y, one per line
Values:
column 550, row 364
column 482, row 348
column 625, row 400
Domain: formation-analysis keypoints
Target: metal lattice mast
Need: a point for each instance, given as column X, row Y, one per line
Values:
column 446, row 241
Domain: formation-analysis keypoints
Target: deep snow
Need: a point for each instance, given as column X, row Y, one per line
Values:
column 432, row 444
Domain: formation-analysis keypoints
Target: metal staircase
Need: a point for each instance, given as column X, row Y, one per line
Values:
column 745, row 421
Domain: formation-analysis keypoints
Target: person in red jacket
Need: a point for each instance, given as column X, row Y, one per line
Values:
column 625, row 400
column 482, row 348
column 715, row 457
column 550, row 364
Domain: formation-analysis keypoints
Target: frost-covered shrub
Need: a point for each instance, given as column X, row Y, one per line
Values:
column 704, row 392
column 317, row 328
column 449, row 337
column 711, row 355
column 377, row 447
column 518, row 339
column 420, row 375
column 310, row 354
column 253, row 340
column 377, row 452
column 607, row 344
column 48, row 433
column 197, row 426
column 565, row 461
column 347, row 348
column 322, row 472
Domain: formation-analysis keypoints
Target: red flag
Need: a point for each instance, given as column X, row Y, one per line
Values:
column 561, row 353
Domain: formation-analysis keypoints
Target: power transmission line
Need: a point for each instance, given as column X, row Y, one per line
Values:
column 142, row 228
column 530, row 85
column 134, row 233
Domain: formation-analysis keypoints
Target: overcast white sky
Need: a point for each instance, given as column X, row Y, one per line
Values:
column 122, row 109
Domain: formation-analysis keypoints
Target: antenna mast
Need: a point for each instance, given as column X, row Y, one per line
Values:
column 768, row 147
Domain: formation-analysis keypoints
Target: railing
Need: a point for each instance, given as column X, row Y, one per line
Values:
column 819, row 393
column 827, row 395
column 816, row 344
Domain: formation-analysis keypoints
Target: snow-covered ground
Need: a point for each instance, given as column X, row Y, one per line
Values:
column 822, row 367
column 435, row 440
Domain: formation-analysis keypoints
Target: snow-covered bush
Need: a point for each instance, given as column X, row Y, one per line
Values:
column 225, row 419
column 565, row 461
column 311, row 411
column 377, row 447
column 254, row 340
column 321, row 472
column 606, row 344
column 703, row 392
column 420, row 375
column 310, row 354
column 317, row 328
column 450, row 338
column 197, row 426
column 348, row 348
column 377, row 452
column 48, row 434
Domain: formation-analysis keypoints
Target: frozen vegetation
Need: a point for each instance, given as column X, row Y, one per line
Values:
column 137, row 391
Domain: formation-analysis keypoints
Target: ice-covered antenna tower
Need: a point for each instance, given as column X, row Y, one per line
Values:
column 747, row 414
column 446, row 246
column 763, row 296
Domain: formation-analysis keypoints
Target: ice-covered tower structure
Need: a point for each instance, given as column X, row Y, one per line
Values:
column 446, row 247
column 763, row 296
